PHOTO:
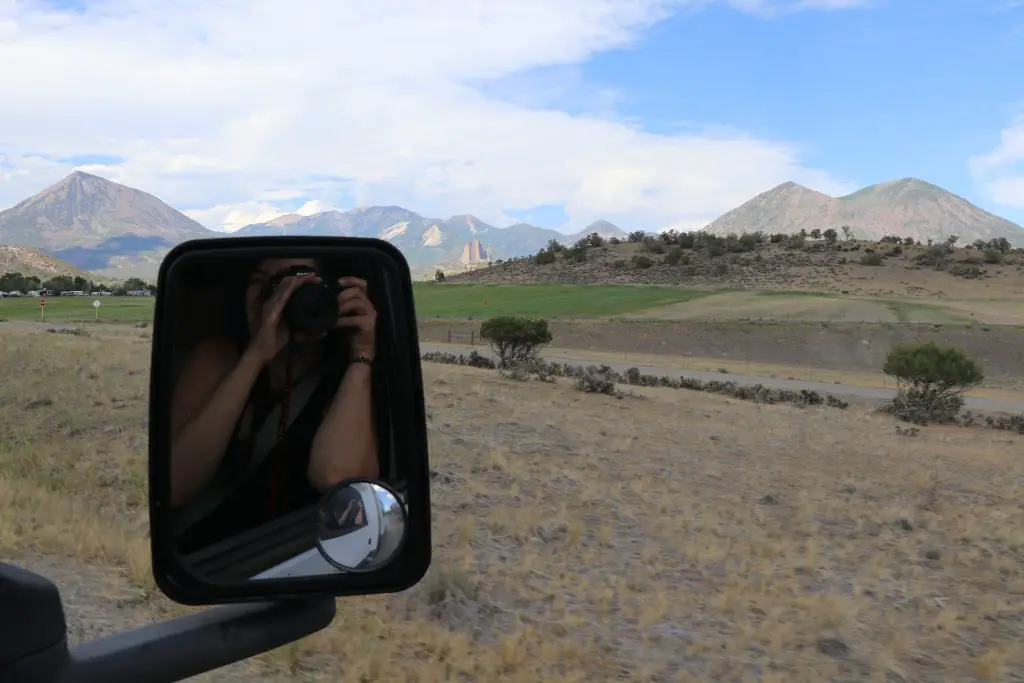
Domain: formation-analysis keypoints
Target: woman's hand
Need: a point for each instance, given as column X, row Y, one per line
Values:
column 271, row 332
column 355, row 311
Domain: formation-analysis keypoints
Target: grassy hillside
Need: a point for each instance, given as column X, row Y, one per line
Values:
column 778, row 262
column 16, row 258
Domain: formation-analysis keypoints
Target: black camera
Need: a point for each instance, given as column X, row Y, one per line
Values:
column 313, row 306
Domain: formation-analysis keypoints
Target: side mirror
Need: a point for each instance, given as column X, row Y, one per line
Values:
column 287, row 435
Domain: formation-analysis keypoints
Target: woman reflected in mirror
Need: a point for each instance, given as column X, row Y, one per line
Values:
column 264, row 419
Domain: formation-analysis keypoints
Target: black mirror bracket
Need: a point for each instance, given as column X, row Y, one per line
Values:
column 37, row 651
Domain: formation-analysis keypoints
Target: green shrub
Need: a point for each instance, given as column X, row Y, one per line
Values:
column 642, row 262
column 594, row 381
column 439, row 275
column 871, row 259
column 931, row 380
column 968, row 271
column 993, row 256
column 516, row 340
column 717, row 248
column 934, row 255
column 544, row 258
column 577, row 254
column 674, row 256
column 749, row 241
column 670, row 237
column 655, row 247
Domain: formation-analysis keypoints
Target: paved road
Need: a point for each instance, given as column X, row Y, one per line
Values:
column 843, row 390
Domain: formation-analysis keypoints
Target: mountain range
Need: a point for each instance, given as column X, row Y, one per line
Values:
column 97, row 225
column 907, row 207
column 457, row 242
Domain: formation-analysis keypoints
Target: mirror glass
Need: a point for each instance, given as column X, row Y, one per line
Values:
column 282, row 387
column 362, row 525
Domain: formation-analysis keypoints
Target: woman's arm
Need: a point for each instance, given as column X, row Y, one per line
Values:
column 345, row 445
column 209, row 399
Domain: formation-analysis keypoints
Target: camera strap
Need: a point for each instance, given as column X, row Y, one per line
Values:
column 227, row 481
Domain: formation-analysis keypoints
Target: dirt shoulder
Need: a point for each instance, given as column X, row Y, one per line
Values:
column 853, row 347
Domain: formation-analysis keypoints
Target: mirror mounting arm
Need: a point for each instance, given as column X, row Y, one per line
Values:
column 180, row 648
column 164, row 652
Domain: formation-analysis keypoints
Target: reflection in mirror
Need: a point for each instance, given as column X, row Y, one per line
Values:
column 279, row 398
column 362, row 525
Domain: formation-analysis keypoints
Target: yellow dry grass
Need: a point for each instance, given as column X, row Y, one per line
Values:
column 664, row 536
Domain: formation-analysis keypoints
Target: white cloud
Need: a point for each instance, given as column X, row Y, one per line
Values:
column 1000, row 173
column 231, row 217
column 231, row 108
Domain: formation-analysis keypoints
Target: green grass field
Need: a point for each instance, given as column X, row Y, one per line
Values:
column 113, row 309
column 546, row 301
column 432, row 301
column 459, row 301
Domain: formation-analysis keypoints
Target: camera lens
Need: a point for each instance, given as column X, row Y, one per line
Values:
column 312, row 309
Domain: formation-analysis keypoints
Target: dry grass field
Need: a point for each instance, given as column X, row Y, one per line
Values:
column 664, row 536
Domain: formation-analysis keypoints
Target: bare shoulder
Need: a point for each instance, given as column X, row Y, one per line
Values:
column 205, row 368
column 210, row 361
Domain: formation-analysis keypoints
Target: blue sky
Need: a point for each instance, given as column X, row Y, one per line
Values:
column 890, row 90
column 646, row 113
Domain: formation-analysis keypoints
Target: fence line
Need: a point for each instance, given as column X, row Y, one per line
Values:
column 454, row 337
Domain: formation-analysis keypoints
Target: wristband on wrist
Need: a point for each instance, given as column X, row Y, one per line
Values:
column 362, row 359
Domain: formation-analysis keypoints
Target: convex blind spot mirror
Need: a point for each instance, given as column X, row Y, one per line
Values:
column 362, row 526
column 288, row 448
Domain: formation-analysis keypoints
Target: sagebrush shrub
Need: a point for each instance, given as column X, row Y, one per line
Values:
column 931, row 381
column 674, row 256
column 594, row 378
column 594, row 381
column 642, row 262
column 516, row 340
column 545, row 258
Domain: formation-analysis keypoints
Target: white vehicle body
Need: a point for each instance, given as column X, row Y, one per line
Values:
column 349, row 550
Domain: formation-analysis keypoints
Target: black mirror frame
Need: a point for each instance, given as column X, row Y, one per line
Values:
column 410, row 432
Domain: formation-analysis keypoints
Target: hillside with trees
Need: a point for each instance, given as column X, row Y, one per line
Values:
column 828, row 260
